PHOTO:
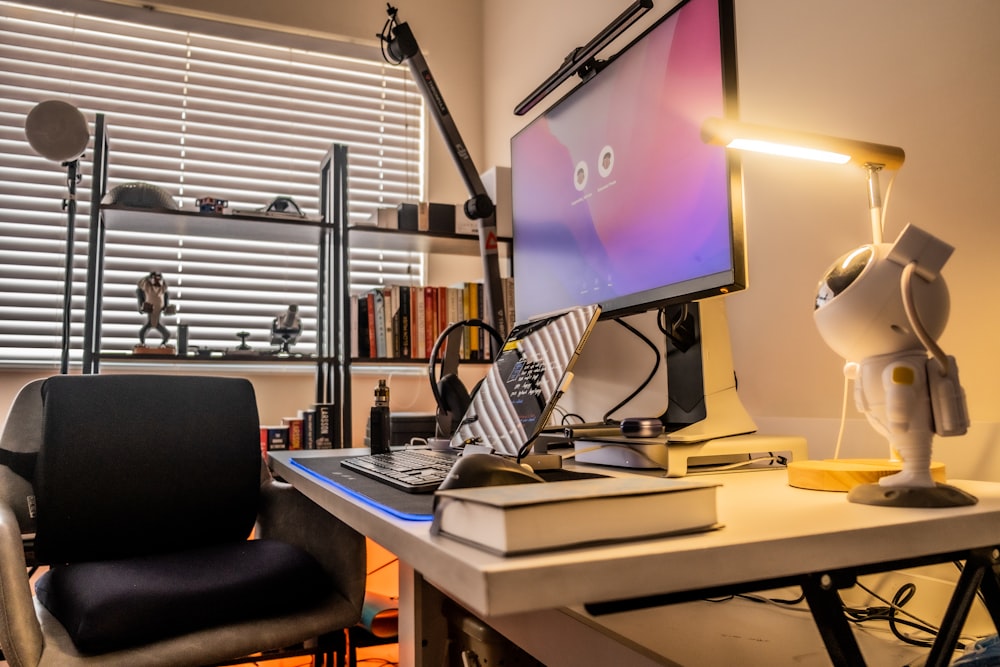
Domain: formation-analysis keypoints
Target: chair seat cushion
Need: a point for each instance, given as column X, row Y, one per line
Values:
column 106, row 606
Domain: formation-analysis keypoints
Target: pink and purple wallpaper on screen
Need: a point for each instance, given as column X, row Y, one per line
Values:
column 614, row 192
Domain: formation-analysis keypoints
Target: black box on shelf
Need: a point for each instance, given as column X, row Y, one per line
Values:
column 426, row 217
column 406, row 217
column 441, row 218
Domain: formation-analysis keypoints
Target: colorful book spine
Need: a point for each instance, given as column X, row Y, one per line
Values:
column 324, row 423
column 404, row 328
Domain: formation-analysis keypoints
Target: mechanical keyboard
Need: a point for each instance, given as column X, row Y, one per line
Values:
column 413, row 471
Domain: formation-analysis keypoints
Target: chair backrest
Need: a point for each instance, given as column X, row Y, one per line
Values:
column 139, row 464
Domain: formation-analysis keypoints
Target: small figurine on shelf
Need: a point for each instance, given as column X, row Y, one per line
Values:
column 154, row 302
column 211, row 205
column 243, row 349
column 285, row 330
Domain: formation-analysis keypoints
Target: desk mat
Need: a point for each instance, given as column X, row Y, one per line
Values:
column 403, row 505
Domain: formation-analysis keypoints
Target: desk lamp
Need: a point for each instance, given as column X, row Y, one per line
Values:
column 881, row 307
column 762, row 139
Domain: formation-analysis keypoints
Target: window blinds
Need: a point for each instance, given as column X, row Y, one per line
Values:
column 199, row 114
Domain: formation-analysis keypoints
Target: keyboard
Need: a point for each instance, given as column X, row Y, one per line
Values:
column 413, row 471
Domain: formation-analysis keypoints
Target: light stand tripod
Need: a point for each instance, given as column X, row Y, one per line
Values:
column 58, row 131
column 69, row 203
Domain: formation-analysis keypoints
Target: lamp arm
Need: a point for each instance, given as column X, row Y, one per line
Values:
column 401, row 46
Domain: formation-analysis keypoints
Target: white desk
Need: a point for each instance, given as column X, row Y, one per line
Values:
column 773, row 535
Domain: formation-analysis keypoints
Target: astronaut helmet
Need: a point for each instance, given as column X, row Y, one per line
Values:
column 859, row 308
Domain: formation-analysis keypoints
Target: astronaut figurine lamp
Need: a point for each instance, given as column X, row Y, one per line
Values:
column 882, row 307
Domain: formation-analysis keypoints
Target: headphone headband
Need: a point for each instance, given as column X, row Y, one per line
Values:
column 432, row 366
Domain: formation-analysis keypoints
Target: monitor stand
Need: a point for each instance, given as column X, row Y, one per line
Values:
column 705, row 422
column 702, row 403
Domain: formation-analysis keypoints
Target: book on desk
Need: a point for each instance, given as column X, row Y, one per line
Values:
column 525, row 518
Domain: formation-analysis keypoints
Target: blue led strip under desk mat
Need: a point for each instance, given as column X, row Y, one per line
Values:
column 402, row 505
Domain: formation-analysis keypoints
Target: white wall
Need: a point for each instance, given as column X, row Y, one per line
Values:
column 919, row 74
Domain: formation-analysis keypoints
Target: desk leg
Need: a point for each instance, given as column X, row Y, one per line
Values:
column 990, row 586
column 423, row 631
column 827, row 610
column 979, row 574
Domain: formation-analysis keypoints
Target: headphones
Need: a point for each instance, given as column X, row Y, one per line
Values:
column 450, row 394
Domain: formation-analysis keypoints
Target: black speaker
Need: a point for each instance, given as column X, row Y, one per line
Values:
column 450, row 394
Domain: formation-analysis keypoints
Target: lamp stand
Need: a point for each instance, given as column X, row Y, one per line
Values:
column 874, row 200
column 859, row 479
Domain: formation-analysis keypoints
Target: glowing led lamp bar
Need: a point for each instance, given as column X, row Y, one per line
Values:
column 760, row 138
column 775, row 141
column 784, row 150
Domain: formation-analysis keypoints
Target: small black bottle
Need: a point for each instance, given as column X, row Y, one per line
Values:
column 380, row 427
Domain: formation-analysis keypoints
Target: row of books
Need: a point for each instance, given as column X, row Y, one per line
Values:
column 312, row 428
column 405, row 321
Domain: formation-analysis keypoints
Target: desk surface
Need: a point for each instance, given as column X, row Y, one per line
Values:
column 770, row 531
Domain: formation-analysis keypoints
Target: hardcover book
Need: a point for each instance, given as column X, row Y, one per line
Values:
column 323, row 424
column 381, row 348
column 523, row 518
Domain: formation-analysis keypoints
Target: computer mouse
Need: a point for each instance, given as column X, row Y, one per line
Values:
column 487, row 470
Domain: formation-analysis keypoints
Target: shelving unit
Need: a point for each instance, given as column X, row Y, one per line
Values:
column 105, row 218
column 343, row 236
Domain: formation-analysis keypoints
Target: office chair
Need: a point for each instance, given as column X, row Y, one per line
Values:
column 141, row 500
column 19, row 444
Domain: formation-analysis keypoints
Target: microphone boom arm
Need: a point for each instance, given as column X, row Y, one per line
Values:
column 402, row 47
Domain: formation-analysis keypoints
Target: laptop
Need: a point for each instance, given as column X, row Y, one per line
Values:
column 517, row 396
column 511, row 406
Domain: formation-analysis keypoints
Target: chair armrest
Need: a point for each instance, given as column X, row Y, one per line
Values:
column 289, row 516
column 20, row 631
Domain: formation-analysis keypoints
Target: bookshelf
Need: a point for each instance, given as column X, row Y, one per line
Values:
column 343, row 338
column 105, row 218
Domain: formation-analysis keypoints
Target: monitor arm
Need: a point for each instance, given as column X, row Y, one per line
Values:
column 399, row 45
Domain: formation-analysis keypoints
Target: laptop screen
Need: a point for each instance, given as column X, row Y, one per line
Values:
column 524, row 383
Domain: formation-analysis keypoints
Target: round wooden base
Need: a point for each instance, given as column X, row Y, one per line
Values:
column 845, row 474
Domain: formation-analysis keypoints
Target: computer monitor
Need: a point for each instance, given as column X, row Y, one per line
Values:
column 616, row 199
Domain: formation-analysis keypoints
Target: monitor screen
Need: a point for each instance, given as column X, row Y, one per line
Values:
column 616, row 199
